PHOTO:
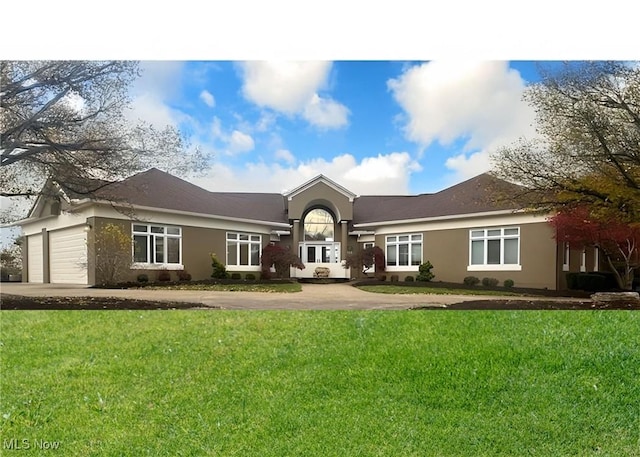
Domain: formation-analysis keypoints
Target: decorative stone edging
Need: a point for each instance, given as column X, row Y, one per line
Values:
column 618, row 297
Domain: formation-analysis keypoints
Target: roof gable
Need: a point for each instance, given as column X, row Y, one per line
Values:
column 320, row 179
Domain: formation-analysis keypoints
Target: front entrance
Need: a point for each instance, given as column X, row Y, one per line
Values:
column 319, row 252
column 324, row 254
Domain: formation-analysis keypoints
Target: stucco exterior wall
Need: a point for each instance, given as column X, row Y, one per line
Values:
column 448, row 251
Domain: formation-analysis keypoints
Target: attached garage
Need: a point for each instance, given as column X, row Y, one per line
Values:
column 35, row 262
column 68, row 256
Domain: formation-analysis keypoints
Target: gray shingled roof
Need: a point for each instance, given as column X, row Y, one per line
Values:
column 477, row 195
column 155, row 188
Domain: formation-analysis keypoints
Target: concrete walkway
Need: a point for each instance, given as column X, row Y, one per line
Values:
column 313, row 296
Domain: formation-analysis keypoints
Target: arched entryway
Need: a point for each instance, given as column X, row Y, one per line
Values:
column 319, row 245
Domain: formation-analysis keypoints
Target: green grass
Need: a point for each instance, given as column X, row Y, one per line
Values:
column 321, row 383
column 393, row 289
column 235, row 287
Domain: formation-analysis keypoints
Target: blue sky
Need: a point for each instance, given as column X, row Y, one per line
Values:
column 376, row 127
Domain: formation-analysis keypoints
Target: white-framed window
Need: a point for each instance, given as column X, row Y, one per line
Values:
column 494, row 249
column 404, row 250
column 583, row 260
column 243, row 249
column 565, row 257
column 158, row 246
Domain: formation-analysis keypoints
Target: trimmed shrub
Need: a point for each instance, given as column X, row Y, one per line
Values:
column 143, row 278
column 219, row 270
column 236, row 276
column 250, row 277
column 408, row 279
column 490, row 282
column 591, row 282
column 425, row 272
column 572, row 281
column 471, row 281
column 164, row 276
column 508, row 283
column 394, row 278
column 381, row 277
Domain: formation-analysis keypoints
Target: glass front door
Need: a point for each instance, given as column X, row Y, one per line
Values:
column 319, row 252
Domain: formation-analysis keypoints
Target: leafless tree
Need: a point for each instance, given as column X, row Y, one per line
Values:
column 66, row 121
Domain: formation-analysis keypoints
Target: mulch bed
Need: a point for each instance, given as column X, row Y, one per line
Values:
column 523, row 304
column 16, row 302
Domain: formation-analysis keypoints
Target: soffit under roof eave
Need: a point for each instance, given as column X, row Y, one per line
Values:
column 438, row 218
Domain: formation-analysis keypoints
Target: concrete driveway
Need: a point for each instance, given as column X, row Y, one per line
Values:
column 313, row 296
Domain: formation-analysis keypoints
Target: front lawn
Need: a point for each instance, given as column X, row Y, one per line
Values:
column 320, row 383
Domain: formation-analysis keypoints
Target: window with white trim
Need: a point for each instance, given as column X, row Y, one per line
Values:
column 404, row 250
column 243, row 249
column 494, row 248
column 565, row 257
column 157, row 244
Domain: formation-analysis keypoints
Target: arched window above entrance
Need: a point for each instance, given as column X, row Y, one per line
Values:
column 318, row 225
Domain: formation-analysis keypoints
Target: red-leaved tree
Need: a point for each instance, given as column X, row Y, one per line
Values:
column 280, row 258
column 619, row 242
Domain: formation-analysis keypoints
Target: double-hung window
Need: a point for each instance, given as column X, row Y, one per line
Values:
column 404, row 250
column 243, row 249
column 157, row 245
column 494, row 249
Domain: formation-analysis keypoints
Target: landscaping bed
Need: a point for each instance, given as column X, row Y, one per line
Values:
column 15, row 302
column 18, row 302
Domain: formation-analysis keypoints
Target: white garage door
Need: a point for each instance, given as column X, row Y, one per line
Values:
column 34, row 258
column 68, row 256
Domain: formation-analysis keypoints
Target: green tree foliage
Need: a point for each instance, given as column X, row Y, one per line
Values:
column 11, row 259
column 65, row 121
column 111, row 249
column 219, row 270
column 424, row 272
column 588, row 145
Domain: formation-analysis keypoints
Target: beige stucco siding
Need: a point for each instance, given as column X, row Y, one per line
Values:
column 197, row 245
column 448, row 251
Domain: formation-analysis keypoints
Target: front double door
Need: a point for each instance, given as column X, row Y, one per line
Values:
column 320, row 252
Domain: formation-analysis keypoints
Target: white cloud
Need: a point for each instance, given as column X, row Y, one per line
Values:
column 481, row 101
column 285, row 155
column 292, row 88
column 208, row 98
column 157, row 84
column 240, row 142
column 467, row 166
column 325, row 113
column 383, row 174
